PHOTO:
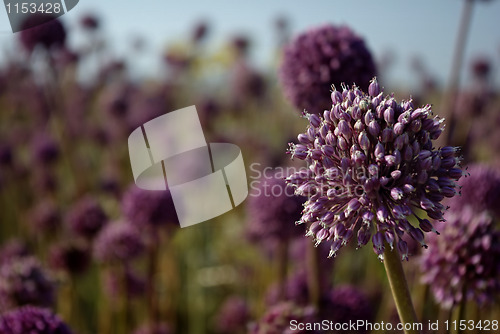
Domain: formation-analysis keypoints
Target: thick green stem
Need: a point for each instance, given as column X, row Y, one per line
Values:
column 399, row 288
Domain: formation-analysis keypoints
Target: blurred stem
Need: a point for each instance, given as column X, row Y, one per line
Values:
column 313, row 279
column 126, row 307
column 151, row 283
column 458, row 55
column 282, row 267
column 459, row 313
column 399, row 288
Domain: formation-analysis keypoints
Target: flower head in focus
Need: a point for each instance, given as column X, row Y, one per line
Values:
column 322, row 57
column 372, row 165
column 465, row 261
column 32, row 320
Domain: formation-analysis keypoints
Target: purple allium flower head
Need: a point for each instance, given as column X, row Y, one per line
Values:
column 233, row 316
column 13, row 249
column 118, row 241
column 71, row 257
column 135, row 284
column 480, row 190
column 464, row 262
column 45, row 149
column 296, row 290
column 86, row 218
column 46, row 217
column 6, row 155
column 160, row 328
column 481, row 68
column 24, row 281
column 277, row 319
column 322, row 57
column 348, row 304
column 32, row 320
column 371, row 164
column 149, row 208
column 49, row 34
column 272, row 209
column 200, row 31
column 246, row 83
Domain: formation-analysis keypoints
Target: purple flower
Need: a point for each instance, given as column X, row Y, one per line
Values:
column 277, row 319
column 348, row 304
column 51, row 33
column 272, row 209
column 322, row 57
column 86, row 218
column 371, row 165
column 464, row 262
column 135, row 284
column 149, row 208
column 296, row 290
column 13, row 249
column 246, row 84
column 24, row 281
column 32, row 320
column 233, row 316
column 71, row 257
column 480, row 190
column 46, row 217
column 6, row 156
column 118, row 242
column 90, row 22
column 160, row 328
column 45, row 149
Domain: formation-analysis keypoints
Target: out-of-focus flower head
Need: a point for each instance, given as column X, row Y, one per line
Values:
column 6, row 156
column 134, row 283
column 296, row 290
column 149, row 208
column 277, row 319
column 272, row 210
column 480, row 190
column 481, row 68
column 347, row 304
column 322, row 57
column 233, row 316
column 160, row 328
column 46, row 217
column 50, row 34
column 13, row 249
column 45, row 149
column 371, row 165
column 118, row 242
column 32, row 320
column 241, row 45
column 246, row 84
column 200, row 32
column 464, row 262
column 71, row 257
column 23, row 281
column 86, row 218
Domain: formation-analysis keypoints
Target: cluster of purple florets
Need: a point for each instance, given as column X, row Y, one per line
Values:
column 372, row 164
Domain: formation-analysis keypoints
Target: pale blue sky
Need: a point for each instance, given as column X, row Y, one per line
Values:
column 425, row 27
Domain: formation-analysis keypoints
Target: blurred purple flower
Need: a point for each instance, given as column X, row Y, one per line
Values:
column 86, row 218
column 277, row 319
column 149, row 208
column 13, row 249
column 46, row 217
column 233, row 316
column 465, row 261
column 481, row 68
column 24, row 281
column 45, row 149
column 246, row 84
column 272, row 210
column 6, row 156
column 480, row 190
column 49, row 34
column 118, row 242
column 71, row 257
column 90, row 22
column 347, row 304
column 296, row 290
column 322, row 57
column 135, row 284
column 32, row 320
column 200, row 32
column 371, row 163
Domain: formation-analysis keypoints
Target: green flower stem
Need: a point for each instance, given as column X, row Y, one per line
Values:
column 399, row 288
column 458, row 313
column 313, row 278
